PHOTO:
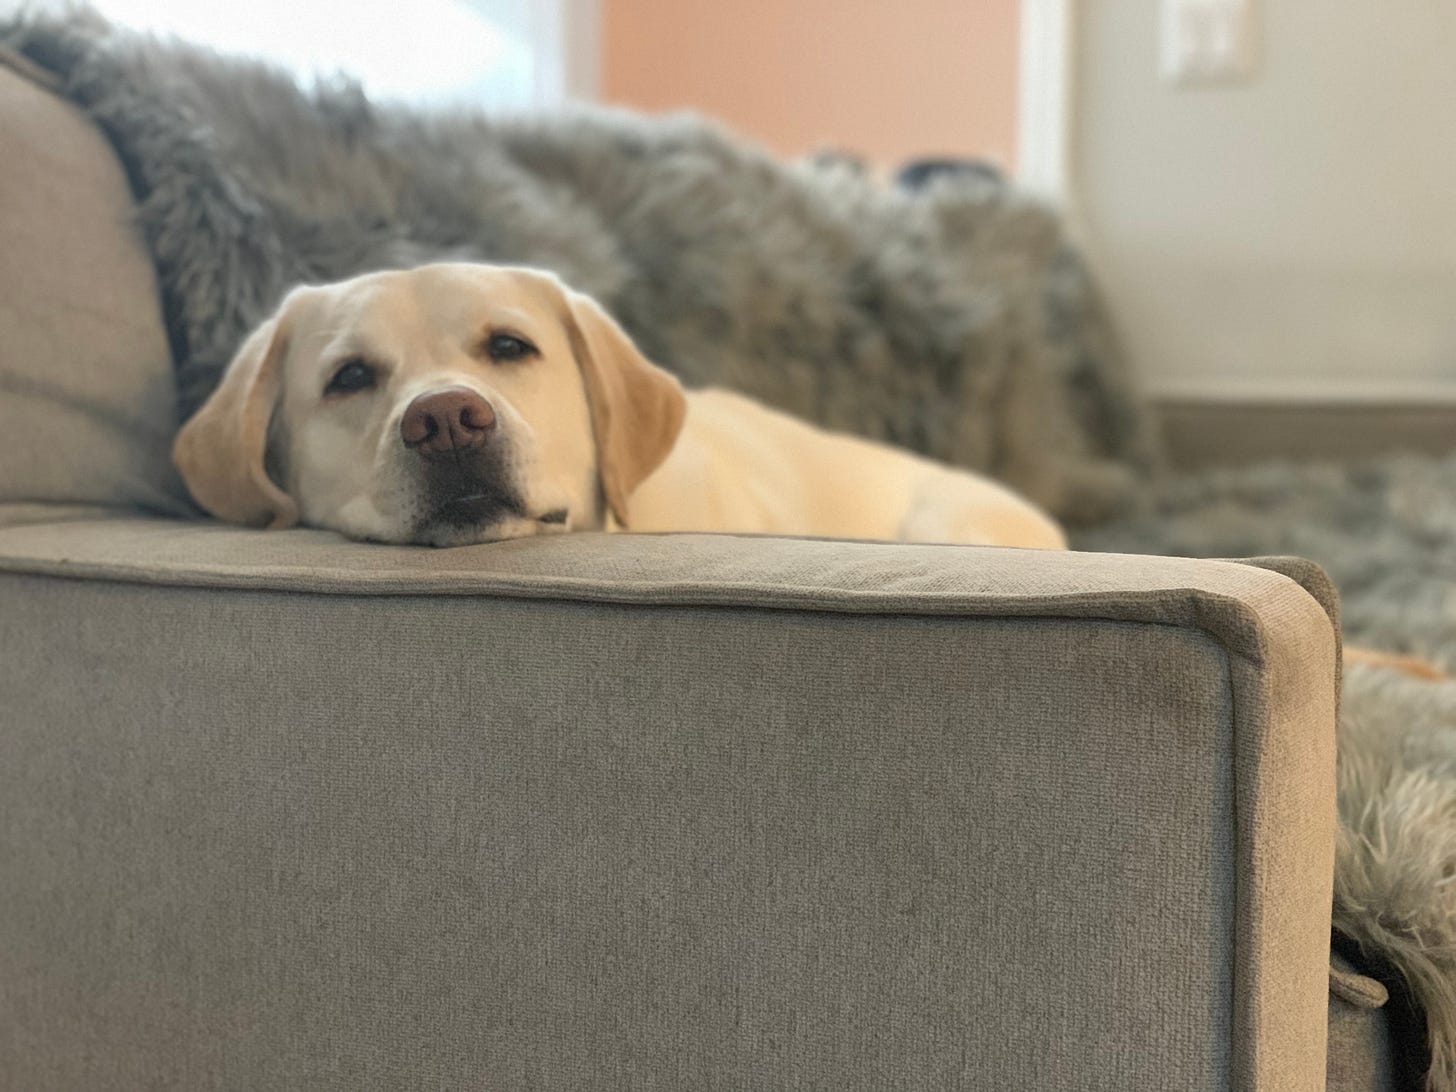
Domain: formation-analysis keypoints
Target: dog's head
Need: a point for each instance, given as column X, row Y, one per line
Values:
column 443, row 405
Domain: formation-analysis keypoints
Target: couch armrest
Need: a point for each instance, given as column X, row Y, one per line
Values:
column 278, row 810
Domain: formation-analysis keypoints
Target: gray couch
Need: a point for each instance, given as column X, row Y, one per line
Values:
column 283, row 811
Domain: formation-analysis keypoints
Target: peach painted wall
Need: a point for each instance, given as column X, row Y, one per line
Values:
column 891, row 79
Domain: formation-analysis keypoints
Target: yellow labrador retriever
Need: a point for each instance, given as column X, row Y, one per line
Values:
column 461, row 403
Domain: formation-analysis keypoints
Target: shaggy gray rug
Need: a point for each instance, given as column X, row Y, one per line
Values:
column 954, row 320
column 1385, row 530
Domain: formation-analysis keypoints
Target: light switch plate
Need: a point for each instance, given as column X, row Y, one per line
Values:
column 1207, row 41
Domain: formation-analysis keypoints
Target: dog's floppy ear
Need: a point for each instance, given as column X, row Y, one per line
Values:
column 220, row 451
column 637, row 408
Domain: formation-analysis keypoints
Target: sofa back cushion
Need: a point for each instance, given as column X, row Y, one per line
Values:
column 87, row 397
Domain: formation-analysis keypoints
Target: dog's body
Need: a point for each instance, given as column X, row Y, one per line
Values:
column 460, row 403
column 739, row 466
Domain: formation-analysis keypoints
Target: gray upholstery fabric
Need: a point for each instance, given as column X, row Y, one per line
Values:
column 679, row 811
column 86, row 385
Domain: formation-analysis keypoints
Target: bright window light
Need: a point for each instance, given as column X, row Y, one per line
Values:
column 495, row 53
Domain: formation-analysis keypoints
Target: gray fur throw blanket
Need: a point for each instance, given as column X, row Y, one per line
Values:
column 955, row 320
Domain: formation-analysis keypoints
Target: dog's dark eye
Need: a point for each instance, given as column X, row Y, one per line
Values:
column 352, row 375
column 503, row 347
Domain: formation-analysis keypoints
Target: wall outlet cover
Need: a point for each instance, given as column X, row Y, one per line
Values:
column 1207, row 41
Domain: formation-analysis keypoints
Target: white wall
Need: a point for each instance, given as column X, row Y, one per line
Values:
column 1292, row 237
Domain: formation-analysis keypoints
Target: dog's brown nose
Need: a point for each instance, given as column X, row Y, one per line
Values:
column 443, row 421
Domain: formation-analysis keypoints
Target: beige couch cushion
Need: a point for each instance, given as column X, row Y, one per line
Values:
column 87, row 401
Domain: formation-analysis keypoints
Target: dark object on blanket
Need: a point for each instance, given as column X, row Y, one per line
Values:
column 955, row 321
column 918, row 174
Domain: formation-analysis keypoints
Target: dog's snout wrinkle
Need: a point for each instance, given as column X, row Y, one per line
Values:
column 446, row 422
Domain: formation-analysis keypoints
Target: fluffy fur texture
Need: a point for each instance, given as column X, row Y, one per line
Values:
column 1395, row 858
column 955, row 320
column 1385, row 529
